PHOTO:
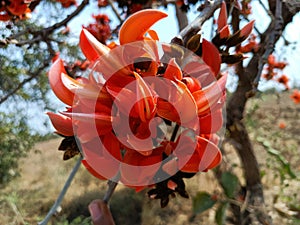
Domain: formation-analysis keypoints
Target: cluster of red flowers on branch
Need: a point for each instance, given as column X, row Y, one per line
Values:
column 67, row 3
column 223, row 40
column 100, row 29
column 10, row 9
column 272, row 71
column 147, row 113
column 246, row 8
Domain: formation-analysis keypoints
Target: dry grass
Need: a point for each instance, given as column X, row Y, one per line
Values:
column 27, row 199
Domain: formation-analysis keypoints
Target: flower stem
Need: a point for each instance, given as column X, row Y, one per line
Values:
column 112, row 184
column 60, row 197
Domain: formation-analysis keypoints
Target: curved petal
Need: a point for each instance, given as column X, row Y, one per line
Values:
column 207, row 98
column 211, row 123
column 173, row 71
column 247, row 29
column 99, row 163
column 91, row 47
column 222, row 19
column 209, row 153
column 139, row 170
column 178, row 104
column 61, row 83
column 62, row 124
column 135, row 27
column 211, row 56
column 146, row 102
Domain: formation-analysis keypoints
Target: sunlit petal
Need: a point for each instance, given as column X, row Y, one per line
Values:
column 211, row 56
column 173, row 71
column 222, row 19
column 61, row 83
column 91, row 47
column 135, row 27
column 62, row 124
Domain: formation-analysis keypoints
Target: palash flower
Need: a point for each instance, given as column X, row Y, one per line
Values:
column 283, row 79
column 18, row 8
column 147, row 120
column 295, row 96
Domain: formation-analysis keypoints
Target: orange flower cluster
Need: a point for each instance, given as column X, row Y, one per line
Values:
column 147, row 113
column 102, row 3
column 67, row 3
column 282, row 125
column 10, row 9
column 251, row 46
column 296, row 96
column 100, row 29
column 246, row 8
column 225, row 38
column 272, row 68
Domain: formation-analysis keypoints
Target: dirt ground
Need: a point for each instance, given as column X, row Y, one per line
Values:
column 27, row 199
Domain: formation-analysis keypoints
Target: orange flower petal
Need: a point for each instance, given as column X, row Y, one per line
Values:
column 135, row 27
column 224, row 32
column 91, row 47
column 207, row 98
column 146, row 103
column 153, row 35
column 139, row 170
column 173, row 71
column 61, row 83
column 62, row 124
column 222, row 19
column 211, row 123
column 211, row 56
column 98, row 162
column 247, row 29
column 209, row 153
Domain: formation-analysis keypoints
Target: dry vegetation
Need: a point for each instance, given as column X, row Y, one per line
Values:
column 27, row 199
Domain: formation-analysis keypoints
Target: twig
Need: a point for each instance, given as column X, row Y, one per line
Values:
column 275, row 33
column 112, row 184
column 270, row 14
column 59, row 199
column 20, row 85
column 115, row 11
column 42, row 35
column 195, row 26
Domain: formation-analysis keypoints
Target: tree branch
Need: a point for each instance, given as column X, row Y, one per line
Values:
column 42, row 35
column 270, row 44
column 195, row 26
column 25, row 81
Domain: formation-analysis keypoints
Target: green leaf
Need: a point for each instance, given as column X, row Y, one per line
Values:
column 230, row 184
column 202, row 201
column 221, row 213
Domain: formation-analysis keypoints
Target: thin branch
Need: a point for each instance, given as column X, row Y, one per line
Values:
column 195, row 26
column 66, row 20
column 112, row 184
column 42, row 35
column 59, row 199
column 111, row 188
column 115, row 11
column 270, row 14
column 270, row 43
column 25, row 81
column 181, row 17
